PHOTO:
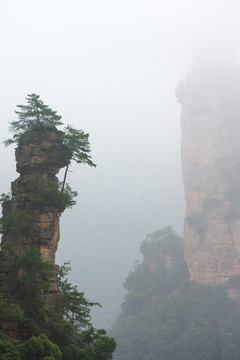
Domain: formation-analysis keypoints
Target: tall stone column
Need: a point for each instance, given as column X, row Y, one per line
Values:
column 210, row 124
column 31, row 216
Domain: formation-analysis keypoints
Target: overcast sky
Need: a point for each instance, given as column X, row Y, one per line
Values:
column 110, row 68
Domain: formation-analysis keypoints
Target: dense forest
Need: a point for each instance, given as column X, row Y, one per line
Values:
column 165, row 316
column 28, row 333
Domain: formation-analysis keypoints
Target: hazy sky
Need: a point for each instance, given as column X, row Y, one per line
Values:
column 111, row 69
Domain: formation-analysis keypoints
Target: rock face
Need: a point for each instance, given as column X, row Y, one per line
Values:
column 210, row 123
column 31, row 215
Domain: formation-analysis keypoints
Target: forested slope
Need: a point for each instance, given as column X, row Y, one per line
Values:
column 165, row 316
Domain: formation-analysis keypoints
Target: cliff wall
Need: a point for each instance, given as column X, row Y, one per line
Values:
column 210, row 123
column 31, row 215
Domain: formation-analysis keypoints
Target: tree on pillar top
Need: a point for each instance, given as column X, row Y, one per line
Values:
column 32, row 116
column 36, row 115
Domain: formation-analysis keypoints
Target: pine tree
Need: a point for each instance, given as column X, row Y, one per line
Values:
column 34, row 115
column 37, row 115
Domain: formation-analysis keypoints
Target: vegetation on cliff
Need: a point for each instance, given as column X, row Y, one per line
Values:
column 42, row 315
column 29, row 331
column 165, row 316
column 37, row 115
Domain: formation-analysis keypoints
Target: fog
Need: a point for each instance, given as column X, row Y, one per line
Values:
column 111, row 68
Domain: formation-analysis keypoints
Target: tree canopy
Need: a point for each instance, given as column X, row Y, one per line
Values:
column 67, row 335
column 165, row 316
column 37, row 115
column 31, row 116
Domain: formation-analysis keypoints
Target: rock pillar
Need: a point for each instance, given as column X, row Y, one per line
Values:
column 31, row 214
column 210, row 123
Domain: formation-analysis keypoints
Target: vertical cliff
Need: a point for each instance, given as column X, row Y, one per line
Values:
column 31, row 214
column 210, row 123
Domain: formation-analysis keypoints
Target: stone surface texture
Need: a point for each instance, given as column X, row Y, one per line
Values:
column 210, row 124
column 40, row 155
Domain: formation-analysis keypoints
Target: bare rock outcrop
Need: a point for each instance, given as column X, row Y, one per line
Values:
column 210, row 123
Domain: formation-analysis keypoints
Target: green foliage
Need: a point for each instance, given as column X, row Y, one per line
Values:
column 67, row 195
column 98, row 345
column 48, row 193
column 150, row 277
column 89, row 345
column 164, row 241
column 78, row 143
column 36, row 348
column 71, row 334
column 8, row 350
column 40, row 348
column 102, row 347
column 14, row 222
column 74, row 307
column 165, row 316
column 9, row 311
column 32, row 278
column 69, row 327
column 37, row 115
column 32, row 116
column 5, row 197
column 72, row 330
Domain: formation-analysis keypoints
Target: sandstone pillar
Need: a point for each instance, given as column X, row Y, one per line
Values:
column 210, row 123
column 31, row 216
